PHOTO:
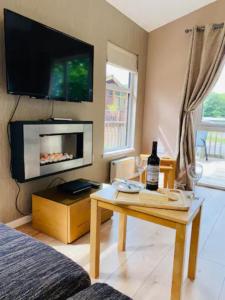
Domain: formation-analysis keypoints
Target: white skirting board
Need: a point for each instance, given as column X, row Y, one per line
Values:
column 19, row 222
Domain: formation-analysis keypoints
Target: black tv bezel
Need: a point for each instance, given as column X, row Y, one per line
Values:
column 36, row 95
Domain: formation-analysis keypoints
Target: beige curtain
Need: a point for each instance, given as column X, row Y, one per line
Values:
column 205, row 61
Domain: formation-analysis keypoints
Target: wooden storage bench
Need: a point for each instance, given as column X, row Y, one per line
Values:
column 63, row 216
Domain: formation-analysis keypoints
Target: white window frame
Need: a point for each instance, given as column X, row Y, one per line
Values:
column 204, row 125
column 131, row 117
column 200, row 125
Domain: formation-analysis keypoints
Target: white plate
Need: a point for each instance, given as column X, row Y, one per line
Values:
column 128, row 186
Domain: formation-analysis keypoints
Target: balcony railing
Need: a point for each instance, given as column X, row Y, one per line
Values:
column 115, row 135
column 215, row 143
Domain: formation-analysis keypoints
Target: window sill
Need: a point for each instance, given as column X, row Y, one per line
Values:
column 211, row 126
column 118, row 152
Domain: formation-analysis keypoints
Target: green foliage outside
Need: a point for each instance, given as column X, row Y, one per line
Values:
column 214, row 105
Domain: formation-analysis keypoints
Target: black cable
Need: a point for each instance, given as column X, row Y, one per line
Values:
column 52, row 113
column 11, row 117
column 8, row 127
column 17, row 198
column 15, row 108
column 9, row 141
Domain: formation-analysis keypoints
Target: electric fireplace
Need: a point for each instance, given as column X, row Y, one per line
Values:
column 48, row 147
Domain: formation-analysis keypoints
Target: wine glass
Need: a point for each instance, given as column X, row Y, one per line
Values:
column 195, row 172
column 140, row 165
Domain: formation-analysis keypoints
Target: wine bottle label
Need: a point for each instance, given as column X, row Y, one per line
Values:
column 152, row 174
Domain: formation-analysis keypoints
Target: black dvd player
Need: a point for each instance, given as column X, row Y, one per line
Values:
column 75, row 186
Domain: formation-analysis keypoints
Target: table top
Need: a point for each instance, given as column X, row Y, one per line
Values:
column 109, row 194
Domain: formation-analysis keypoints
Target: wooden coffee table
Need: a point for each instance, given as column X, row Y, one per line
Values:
column 177, row 220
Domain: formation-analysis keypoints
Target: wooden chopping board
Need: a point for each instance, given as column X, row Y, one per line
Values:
column 182, row 204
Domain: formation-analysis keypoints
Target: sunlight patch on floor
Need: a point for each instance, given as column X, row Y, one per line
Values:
column 213, row 172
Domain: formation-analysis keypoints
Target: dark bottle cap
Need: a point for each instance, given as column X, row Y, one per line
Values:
column 154, row 147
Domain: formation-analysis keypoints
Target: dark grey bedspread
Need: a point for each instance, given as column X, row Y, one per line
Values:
column 99, row 291
column 31, row 270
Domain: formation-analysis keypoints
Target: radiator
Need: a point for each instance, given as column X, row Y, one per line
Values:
column 122, row 168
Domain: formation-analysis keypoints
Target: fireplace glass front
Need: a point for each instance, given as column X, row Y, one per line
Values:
column 56, row 148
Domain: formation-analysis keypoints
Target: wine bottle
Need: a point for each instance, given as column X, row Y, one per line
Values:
column 152, row 182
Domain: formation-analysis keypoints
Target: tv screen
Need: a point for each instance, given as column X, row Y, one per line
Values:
column 44, row 63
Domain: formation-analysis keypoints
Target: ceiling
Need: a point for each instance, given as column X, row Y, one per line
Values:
column 151, row 14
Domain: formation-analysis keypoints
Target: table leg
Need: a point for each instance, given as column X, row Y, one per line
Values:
column 122, row 232
column 171, row 179
column 95, row 238
column 165, row 180
column 178, row 264
column 142, row 177
column 193, row 256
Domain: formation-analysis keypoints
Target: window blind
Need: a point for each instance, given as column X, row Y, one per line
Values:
column 121, row 57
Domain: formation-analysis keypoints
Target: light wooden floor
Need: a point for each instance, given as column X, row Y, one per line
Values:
column 213, row 172
column 144, row 271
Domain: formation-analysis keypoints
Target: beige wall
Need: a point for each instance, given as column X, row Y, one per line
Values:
column 166, row 67
column 93, row 21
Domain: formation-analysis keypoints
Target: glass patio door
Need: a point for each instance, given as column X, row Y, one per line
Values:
column 210, row 135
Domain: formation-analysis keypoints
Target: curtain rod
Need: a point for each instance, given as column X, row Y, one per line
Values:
column 202, row 28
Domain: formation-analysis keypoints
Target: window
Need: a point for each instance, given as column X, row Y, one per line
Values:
column 120, row 108
column 210, row 123
column 213, row 108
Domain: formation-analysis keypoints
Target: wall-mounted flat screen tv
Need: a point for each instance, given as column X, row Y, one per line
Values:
column 44, row 63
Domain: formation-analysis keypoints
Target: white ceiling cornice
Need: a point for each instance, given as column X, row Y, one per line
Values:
column 152, row 14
